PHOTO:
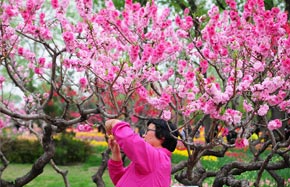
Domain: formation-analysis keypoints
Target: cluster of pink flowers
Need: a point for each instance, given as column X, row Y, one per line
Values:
column 2, row 80
column 242, row 57
column 274, row 124
column 166, row 115
column 85, row 127
column 232, row 116
column 2, row 124
column 263, row 110
column 68, row 38
column 241, row 143
column 83, row 82
column 247, row 106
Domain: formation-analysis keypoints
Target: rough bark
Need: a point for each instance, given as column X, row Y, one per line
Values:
column 97, row 177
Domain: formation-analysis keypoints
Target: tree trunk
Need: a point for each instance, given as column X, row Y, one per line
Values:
column 97, row 177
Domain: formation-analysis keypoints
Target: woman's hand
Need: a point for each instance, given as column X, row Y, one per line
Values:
column 109, row 124
column 115, row 148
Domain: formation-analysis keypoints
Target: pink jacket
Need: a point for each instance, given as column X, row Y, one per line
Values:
column 149, row 167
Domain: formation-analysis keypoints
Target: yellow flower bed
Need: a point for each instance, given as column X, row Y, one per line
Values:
column 210, row 158
column 185, row 153
column 180, row 152
column 98, row 143
column 93, row 133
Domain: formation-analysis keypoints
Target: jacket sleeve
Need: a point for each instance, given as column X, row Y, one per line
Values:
column 116, row 170
column 144, row 155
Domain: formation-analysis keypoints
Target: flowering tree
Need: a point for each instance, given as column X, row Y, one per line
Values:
column 229, row 75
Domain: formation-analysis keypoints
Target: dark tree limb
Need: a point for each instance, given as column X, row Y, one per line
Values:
column 61, row 172
column 4, row 161
column 97, row 177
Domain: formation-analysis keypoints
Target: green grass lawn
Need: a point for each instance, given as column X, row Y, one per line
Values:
column 78, row 176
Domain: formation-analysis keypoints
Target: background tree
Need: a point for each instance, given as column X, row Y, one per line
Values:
column 228, row 73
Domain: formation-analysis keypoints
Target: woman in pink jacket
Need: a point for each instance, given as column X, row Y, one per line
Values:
column 150, row 157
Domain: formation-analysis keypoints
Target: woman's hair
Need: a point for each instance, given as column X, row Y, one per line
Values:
column 167, row 131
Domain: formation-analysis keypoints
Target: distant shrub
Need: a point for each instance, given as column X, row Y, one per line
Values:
column 68, row 150
column 21, row 151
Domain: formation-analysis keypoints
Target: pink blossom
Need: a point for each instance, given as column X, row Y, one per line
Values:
column 232, row 116
column 158, row 52
column 189, row 84
column 153, row 75
column 274, row 100
column 41, row 61
column 41, row 18
column 213, row 90
column 83, row 82
column 66, row 63
column 134, row 51
column 2, row 124
column 272, row 84
column 245, row 83
column 274, row 124
column 166, row 115
column 181, row 65
column 45, row 95
column 286, row 65
column 213, row 12
column 134, row 119
column 285, row 106
column 68, row 36
column 147, row 53
column 45, row 33
column 165, row 97
column 241, row 143
column 168, row 74
column 204, row 65
column 189, row 75
column 210, row 107
column 84, row 128
column 26, row 16
column 30, row 5
column 28, row 55
column 128, row 3
column 263, row 110
column 188, row 23
column 182, row 33
column 199, row 43
column 190, row 46
column 225, row 131
column 248, row 107
column 21, row 51
column 142, row 92
column 178, row 20
column 2, row 79
column 232, row 4
column 38, row 71
column 224, row 51
column 54, row 4
column 10, row 11
column 258, row 66
column 156, row 103
column 186, row 11
column 69, row 40
column 136, row 6
column 206, row 52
